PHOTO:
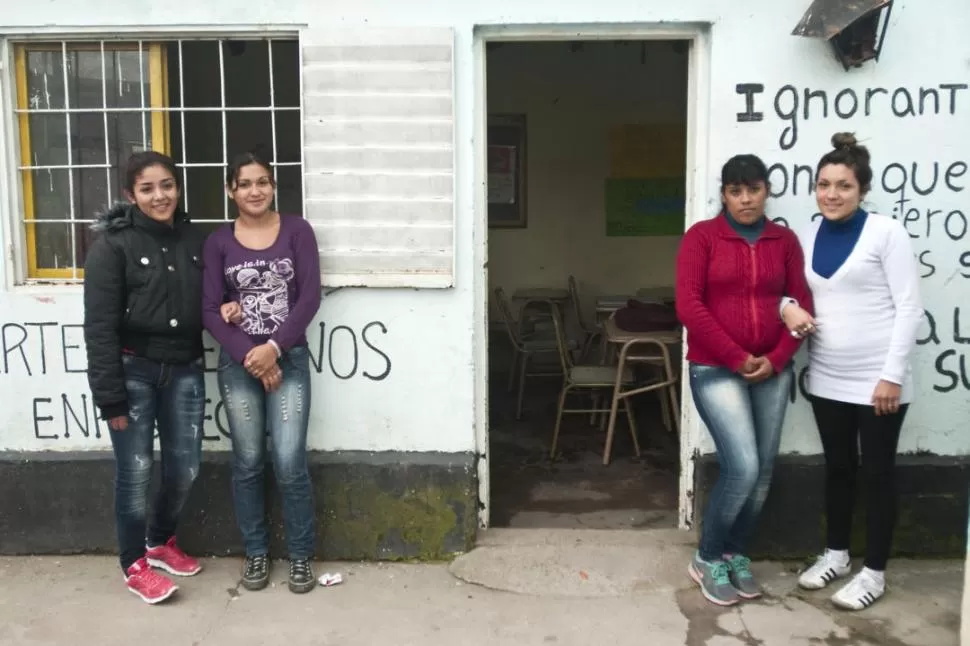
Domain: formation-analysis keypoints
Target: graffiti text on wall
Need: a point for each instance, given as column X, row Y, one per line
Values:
column 35, row 349
column 926, row 195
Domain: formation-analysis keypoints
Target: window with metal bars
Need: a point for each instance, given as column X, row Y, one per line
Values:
column 84, row 106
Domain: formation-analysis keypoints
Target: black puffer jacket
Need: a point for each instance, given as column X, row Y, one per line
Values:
column 142, row 295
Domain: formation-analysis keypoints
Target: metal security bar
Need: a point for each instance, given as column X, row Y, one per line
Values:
column 156, row 114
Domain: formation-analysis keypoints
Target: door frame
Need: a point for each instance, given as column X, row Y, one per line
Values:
column 698, row 130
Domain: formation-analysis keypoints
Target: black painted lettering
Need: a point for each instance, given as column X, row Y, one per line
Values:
column 965, row 263
column 749, row 90
column 925, row 93
column 317, row 360
column 65, row 346
column 955, row 225
column 387, row 360
column 944, row 371
column 803, row 382
column 957, row 337
column 773, row 183
column 912, row 215
column 932, row 186
column 356, row 355
column 931, row 336
column 930, row 214
column 95, row 419
column 894, row 188
column 43, row 343
column 928, row 265
column 782, row 222
column 817, row 94
column 809, row 180
column 953, row 88
column 38, row 419
column 789, row 136
column 839, row 110
column 907, row 103
column 70, row 413
column 11, row 346
column 870, row 93
column 956, row 169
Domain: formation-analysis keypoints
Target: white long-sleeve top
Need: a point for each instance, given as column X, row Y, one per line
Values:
column 868, row 314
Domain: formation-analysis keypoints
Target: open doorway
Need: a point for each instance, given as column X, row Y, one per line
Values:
column 586, row 165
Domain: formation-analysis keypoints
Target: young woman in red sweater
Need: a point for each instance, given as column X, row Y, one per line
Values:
column 732, row 271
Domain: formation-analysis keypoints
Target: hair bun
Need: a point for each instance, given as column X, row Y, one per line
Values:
column 844, row 140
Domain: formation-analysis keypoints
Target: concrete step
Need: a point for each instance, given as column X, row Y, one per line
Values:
column 578, row 563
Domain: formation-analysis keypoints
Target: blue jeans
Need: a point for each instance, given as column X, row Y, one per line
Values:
column 173, row 395
column 745, row 421
column 285, row 413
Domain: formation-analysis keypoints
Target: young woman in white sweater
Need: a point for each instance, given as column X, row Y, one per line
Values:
column 865, row 286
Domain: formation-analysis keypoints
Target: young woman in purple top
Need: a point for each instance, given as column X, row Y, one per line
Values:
column 261, row 289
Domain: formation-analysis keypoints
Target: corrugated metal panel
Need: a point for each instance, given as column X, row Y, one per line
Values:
column 378, row 157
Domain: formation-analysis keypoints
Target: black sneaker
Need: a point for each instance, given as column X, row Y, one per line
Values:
column 301, row 576
column 256, row 572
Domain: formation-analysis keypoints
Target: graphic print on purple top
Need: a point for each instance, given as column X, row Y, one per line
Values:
column 263, row 293
column 277, row 287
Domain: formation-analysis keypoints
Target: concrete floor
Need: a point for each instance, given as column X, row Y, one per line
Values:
column 558, row 587
column 576, row 491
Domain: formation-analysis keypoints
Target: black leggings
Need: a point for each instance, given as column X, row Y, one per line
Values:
column 843, row 428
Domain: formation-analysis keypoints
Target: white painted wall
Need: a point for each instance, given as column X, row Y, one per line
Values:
column 428, row 400
column 572, row 100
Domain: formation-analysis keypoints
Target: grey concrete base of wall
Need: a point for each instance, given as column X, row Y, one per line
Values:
column 369, row 506
column 931, row 521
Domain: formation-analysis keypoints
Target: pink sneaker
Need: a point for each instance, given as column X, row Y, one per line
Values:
column 173, row 560
column 148, row 584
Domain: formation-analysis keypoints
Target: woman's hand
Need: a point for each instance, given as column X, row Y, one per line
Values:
column 272, row 380
column 119, row 423
column 759, row 370
column 799, row 322
column 231, row 313
column 261, row 360
column 885, row 398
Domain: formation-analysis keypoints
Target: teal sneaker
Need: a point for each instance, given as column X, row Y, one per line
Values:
column 714, row 580
column 739, row 571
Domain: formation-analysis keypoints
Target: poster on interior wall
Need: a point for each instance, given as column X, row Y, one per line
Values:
column 506, row 166
column 648, row 150
column 645, row 206
column 501, row 174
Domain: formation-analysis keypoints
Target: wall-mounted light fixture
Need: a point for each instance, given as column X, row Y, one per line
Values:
column 855, row 28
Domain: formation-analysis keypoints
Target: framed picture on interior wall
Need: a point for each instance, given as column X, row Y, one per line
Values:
column 506, row 179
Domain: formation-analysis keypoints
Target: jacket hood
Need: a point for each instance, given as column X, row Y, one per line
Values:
column 122, row 215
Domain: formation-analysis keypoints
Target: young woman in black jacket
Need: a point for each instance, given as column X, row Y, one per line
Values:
column 143, row 332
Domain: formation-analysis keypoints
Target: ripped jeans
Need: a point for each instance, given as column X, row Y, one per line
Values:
column 173, row 395
column 285, row 415
column 745, row 421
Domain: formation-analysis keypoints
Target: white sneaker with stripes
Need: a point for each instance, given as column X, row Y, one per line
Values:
column 859, row 593
column 830, row 566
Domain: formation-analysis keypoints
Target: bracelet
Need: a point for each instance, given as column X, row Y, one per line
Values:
column 276, row 346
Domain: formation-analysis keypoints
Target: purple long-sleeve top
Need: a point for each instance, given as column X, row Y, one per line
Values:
column 278, row 287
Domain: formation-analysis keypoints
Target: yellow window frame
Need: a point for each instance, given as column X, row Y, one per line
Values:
column 160, row 139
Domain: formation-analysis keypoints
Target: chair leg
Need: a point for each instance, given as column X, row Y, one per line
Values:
column 611, row 426
column 555, row 430
column 664, row 408
column 674, row 412
column 522, row 370
column 515, row 362
column 633, row 425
